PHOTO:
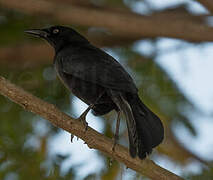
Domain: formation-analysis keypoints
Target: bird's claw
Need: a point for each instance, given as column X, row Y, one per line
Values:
column 82, row 119
column 71, row 138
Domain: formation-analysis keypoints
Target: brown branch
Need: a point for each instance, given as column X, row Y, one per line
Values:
column 91, row 137
column 89, row 4
column 21, row 56
column 119, row 23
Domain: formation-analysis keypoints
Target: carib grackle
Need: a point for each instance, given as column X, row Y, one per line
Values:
column 101, row 82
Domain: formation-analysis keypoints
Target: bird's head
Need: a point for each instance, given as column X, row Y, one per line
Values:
column 59, row 36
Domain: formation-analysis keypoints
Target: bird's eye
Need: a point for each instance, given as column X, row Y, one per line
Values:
column 55, row 31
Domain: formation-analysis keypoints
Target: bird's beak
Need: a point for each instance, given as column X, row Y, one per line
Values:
column 37, row 32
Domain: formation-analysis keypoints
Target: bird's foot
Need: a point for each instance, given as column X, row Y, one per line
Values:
column 71, row 138
column 82, row 119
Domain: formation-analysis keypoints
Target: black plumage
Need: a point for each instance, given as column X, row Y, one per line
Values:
column 101, row 82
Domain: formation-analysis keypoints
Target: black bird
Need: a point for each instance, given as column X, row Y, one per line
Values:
column 101, row 82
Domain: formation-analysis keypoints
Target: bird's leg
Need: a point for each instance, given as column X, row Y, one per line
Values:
column 82, row 117
column 116, row 136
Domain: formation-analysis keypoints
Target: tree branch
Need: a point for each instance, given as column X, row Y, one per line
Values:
column 91, row 137
column 118, row 23
column 20, row 57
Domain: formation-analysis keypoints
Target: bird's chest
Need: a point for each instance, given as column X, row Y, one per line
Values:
column 72, row 83
column 60, row 74
column 84, row 90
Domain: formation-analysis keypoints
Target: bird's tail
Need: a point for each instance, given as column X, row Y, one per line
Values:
column 145, row 129
column 150, row 129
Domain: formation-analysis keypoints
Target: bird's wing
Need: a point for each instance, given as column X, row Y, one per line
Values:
column 94, row 65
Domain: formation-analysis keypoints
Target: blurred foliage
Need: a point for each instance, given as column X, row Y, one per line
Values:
column 205, row 174
column 12, row 25
column 24, row 146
